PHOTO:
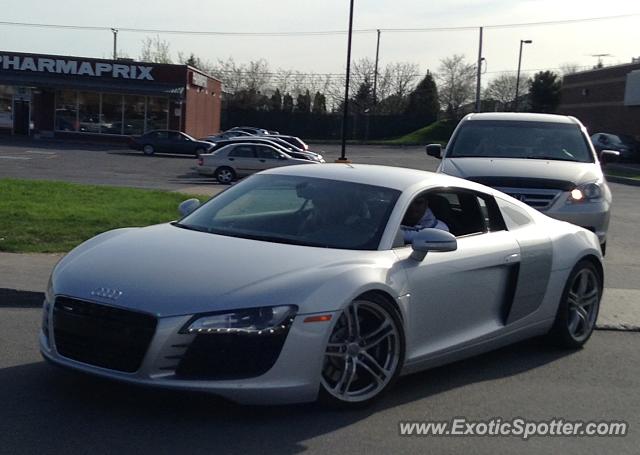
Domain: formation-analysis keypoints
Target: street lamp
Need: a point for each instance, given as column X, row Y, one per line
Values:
column 345, row 107
column 522, row 41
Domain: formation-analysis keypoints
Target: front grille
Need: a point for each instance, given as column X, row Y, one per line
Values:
column 230, row 356
column 101, row 335
column 537, row 198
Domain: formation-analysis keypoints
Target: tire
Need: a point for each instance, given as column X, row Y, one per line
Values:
column 225, row 175
column 603, row 248
column 579, row 306
column 148, row 149
column 354, row 375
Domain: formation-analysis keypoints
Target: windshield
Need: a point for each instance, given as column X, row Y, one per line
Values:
column 514, row 139
column 298, row 210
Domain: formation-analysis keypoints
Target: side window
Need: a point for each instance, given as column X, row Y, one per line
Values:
column 242, row 151
column 267, row 153
column 161, row 135
column 461, row 212
column 514, row 216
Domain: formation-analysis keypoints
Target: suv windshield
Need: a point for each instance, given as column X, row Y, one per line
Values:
column 298, row 210
column 520, row 139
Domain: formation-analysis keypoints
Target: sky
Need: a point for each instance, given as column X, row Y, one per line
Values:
column 553, row 45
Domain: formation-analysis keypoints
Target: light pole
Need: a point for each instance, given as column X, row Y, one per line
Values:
column 515, row 102
column 343, row 157
column 115, row 43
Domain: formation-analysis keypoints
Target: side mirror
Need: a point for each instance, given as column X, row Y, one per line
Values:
column 609, row 156
column 188, row 206
column 434, row 150
column 432, row 240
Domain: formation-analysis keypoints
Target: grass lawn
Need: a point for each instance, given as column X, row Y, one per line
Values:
column 48, row 217
column 630, row 174
column 438, row 132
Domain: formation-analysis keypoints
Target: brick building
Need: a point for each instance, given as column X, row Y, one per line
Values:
column 605, row 99
column 54, row 95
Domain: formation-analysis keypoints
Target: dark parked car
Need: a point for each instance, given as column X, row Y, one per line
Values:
column 168, row 141
column 293, row 140
column 628, row 147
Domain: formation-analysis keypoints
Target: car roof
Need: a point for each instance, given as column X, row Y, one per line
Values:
column 522, row 117
column 398, row 178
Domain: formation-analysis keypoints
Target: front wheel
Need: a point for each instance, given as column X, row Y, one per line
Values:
column 578, row 309
column 148, row 150
column 225, row 175
column 364, row 354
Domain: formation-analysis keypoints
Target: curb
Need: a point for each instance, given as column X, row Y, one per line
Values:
column 622, row 180
column 13, row 298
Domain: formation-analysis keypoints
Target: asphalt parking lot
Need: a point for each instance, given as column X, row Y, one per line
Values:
column 47, row 410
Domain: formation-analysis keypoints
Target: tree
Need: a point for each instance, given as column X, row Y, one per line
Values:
column 363, row 99
column 303, row 103
column 319, row 104
column 155, row 50
column 276, row 101
column 569, row 68
column 544, row 92
column 502, row 89
column 456, row 80
column 287, row 103
column 423, row 100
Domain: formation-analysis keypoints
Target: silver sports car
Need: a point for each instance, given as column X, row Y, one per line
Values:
column 296, row 283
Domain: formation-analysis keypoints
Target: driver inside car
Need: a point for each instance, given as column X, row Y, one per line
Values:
column 418, row 217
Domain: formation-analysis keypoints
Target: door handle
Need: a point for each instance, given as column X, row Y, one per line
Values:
column 515, row 257
column 262, row 161
column 231, row 159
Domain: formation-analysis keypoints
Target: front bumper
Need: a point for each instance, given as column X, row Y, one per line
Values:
column 294, row 378
column 593, row 216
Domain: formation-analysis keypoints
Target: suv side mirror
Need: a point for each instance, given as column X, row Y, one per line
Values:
column 188, row 206
column 432, row 240
column 434, row 150
column 609, row 156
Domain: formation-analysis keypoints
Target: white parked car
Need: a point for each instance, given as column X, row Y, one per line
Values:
column 235, row 161
column 297, row 283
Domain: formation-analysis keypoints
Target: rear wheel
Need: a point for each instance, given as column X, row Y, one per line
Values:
column 148, row 150
column 225, row 175
column 578, row 310
column 364, row 354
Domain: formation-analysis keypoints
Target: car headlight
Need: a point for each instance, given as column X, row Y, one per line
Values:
column 265, row 320
column 48, row 293
column 587, row 192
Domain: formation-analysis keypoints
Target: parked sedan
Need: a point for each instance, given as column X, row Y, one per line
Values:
column 168, row 141
column 276, row 142
column 296, row 284
column 239, row 160
column 627, row 146
column 226, row 135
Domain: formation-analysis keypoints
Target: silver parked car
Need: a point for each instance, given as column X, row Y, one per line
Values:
column 546, row 161
column 297, row 283
column 244, row 158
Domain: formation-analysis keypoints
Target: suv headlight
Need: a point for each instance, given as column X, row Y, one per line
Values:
column 265, row 320
column 587, row 192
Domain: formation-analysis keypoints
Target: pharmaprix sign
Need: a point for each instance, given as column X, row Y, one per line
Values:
column 75, row 67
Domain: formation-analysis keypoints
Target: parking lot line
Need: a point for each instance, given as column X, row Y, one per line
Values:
column 15, row 157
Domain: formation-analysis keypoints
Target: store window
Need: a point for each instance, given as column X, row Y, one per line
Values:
column 134, row 110
column 6, row 106
column 66, row 110
column 89, row 112
column 157, row 113
column 111, row 114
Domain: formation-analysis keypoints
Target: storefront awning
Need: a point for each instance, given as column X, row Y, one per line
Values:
column 94, row 85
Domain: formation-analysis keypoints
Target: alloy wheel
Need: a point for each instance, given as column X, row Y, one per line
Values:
column 583, row 298
column 363, row 353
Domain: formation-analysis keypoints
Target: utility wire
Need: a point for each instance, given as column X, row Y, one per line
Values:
column 314, row 33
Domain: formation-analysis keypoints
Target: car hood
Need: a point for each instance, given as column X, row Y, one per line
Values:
column 469, row 168
column 170, row 271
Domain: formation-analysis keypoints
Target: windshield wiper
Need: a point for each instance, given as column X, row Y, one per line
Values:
column 189, row 227
column 549, row 157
